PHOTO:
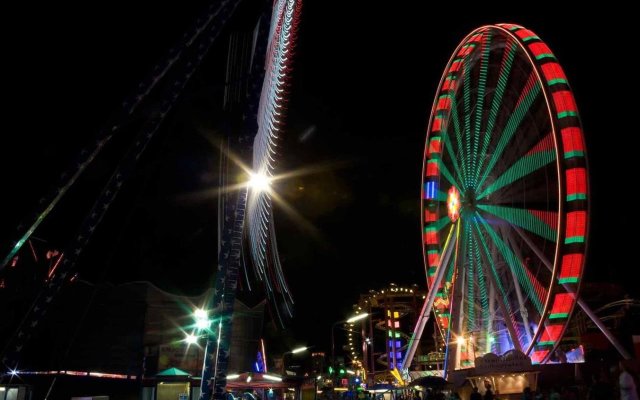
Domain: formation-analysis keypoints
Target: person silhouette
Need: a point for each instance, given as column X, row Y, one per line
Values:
column 488, row 394
column 626, row 381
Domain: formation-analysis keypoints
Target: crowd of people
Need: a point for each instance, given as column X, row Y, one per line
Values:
column 602, row 386
column 616, row 384
column 619, row 383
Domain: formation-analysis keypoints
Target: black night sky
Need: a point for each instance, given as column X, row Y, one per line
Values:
column 362, row 88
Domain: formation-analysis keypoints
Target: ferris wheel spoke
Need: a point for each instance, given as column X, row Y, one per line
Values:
column 477, row 299
column 527, row 97
column 466, row 101
column 496, row 283
column 570, row 273
column 517, row 303
column 535, row 249
column 481, row 280
column 445, row 116
column 469, row 262
column 531, row 316
column 485, row 46
column 459, row 139
column 541, row 155
column 514, row 263
column 496, row 103
column 516, row 267
column 539, row 288
column 534, row 221
column 442, row 168
column 449, row 148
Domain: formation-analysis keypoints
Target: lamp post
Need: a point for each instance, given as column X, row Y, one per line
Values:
column 201, row 325
column 355, row 318
column 315, row 387
column 284, row 364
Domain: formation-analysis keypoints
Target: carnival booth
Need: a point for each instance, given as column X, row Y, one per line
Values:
column 507, row 375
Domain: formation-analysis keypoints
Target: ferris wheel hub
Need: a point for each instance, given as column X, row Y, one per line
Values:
column 470, row 199
column 453, row 203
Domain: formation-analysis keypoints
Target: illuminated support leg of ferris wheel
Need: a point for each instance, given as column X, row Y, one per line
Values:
column 492, row 311
column 585, row 307
column 431, row 296
column 456, row 324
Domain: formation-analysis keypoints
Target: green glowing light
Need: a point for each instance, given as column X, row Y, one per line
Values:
column 514, row 263
column 523, row 219
column 482, row 86
column 511, row 127
column 574, row 239
column 566, row 114
column 557, row 81
column 496, row 103
column 521, row 168
column 577, row 196
column 543, row 56
column 571, row 154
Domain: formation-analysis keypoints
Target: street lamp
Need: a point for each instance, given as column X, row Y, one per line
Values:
column 294, row 351
column 201, row 317
column 315, row 386
column 350, row 320
column 201, row 324
column 191, row 338
column 298, row 350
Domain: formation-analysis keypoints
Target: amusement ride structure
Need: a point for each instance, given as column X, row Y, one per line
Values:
column 505, row 201
column 262, row 60
column 379, row 344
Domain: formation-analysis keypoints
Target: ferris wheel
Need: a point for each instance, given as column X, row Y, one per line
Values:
column 504, row 198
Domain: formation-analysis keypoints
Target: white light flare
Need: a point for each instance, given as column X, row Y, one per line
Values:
column 259, row 182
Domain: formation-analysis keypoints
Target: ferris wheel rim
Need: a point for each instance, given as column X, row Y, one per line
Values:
column 560, row 165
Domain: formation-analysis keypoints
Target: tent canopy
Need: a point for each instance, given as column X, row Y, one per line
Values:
column 173, row 372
